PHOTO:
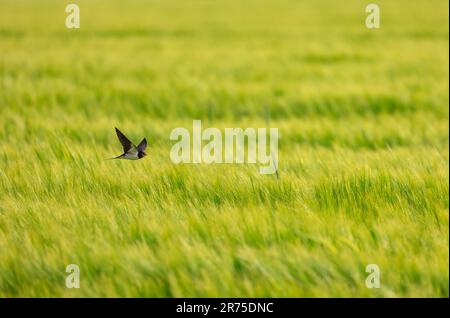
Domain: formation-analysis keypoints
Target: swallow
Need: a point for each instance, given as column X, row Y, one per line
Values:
column 130, row 150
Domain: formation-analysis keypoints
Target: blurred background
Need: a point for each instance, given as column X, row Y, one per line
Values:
column 363, row 121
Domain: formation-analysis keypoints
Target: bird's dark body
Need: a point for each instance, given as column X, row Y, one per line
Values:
column 131, row 151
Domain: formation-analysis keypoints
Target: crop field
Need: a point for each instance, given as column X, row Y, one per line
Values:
column 363, row 166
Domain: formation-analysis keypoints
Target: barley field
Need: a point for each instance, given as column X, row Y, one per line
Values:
column 363, row 163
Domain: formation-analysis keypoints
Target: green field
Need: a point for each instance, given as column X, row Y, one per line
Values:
column 363, row 153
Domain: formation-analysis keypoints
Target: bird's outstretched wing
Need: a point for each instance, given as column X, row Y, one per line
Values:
column 142, row 145
column 127, row 145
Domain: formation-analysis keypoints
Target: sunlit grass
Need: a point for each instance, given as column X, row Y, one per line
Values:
column 363, row 152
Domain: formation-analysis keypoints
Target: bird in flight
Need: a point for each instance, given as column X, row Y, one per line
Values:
column 130, row 150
